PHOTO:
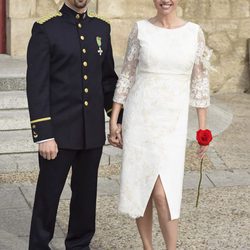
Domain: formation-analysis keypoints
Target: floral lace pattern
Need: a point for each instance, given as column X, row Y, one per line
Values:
column 199, row 92
column 162, row 74
column 128, row 74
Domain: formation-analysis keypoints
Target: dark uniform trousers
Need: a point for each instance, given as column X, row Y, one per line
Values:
column 70, row 82
column 50, row 184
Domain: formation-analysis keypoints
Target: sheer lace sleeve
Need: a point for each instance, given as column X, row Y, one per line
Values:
column 128, row 73
column 199, row 92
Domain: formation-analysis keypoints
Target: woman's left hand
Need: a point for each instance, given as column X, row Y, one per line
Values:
column 201, row 151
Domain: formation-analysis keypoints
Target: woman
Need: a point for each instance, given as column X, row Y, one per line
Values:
column 165, row 69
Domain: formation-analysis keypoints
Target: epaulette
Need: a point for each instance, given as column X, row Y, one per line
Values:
column 93, row 14
column 47, row 18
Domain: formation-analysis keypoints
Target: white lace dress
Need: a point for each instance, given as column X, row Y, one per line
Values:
column 164, row 71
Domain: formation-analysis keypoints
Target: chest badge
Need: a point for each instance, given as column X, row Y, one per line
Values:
column 99, row 43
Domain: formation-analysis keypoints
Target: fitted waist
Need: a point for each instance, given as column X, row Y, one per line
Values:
column 165, row 77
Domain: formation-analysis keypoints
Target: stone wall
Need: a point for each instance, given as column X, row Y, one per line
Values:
column 226, row 24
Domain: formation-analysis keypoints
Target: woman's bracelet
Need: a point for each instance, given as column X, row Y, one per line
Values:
column 204, row 137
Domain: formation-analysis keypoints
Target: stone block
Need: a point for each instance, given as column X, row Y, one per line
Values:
column 16, row 142
column 12, row 83
column 124, row 9
column 46, row 7
column 219, row 9
column 14, row 119
column 19, row 35
column 244, row 29
column 21, row 8
column 120, row 35
column 240, row 9
column 13, row 100
column 195, row 8
column 220, row 42
column 25, row 161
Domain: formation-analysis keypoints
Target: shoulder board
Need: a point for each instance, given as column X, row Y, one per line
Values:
column 47, row 18
column 93, row 14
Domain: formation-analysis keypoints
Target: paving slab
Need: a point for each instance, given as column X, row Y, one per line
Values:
column 191, row 180
column 233, row 146
column 9, row 241
column 215, row 158
column 58, row 244
column 230, row 177
column 28, row 191
column 108, row 186
column 11, row 198
column 17, row 222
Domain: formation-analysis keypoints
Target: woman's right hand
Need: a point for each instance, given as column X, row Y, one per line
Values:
column 115, row 136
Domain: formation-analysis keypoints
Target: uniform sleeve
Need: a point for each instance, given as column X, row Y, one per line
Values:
column 199, row 92
column 38, row 84
column 109, row 79
column 128, row 74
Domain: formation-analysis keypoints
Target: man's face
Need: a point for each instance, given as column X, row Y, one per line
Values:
column 79, row 4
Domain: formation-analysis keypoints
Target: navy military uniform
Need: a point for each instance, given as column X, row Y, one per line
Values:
column 70, row 81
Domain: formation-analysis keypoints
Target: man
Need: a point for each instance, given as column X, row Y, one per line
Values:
column 70, row 80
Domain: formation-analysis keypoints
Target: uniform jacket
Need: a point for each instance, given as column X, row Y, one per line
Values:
column 70, row 79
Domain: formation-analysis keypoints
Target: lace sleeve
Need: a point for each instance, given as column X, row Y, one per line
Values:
column 128, row 73
column 199, row 92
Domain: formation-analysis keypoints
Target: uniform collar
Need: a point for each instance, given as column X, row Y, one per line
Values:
column 73, row 15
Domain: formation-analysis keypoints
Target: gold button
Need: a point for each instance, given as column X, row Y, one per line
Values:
column 82, row 37
column 77, row 16
column 85, row 64
column 79, row 26
column 85, row 77
column 84, row 51
column 33, row 126
column 86, row 90
column 86, row 103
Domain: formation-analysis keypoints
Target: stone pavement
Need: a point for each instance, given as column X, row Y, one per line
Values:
column 222, row 220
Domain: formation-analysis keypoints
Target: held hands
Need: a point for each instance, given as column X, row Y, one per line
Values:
column 48, row 150
column 115, row 136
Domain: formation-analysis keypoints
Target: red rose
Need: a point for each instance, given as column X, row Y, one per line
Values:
column 204, row 137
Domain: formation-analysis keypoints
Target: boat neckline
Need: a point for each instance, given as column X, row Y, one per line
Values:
column 176, row 28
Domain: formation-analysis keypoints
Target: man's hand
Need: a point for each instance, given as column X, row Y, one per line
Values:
column 48, row 150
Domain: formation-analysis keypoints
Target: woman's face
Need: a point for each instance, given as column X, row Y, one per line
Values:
column 166, row 7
